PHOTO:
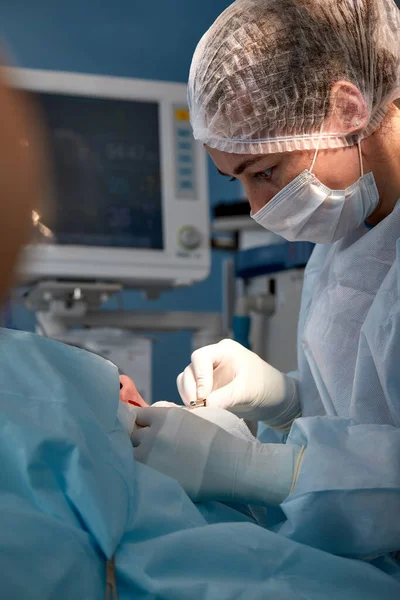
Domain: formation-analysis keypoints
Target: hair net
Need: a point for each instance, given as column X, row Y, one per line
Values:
column 262, row 76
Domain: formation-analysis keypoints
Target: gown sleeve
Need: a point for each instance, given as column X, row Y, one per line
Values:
column 346, row 499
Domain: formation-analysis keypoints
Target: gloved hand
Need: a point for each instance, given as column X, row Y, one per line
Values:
column 229, row 376
column 212, row 464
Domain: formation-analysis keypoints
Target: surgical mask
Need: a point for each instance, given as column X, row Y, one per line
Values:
column 306, row 210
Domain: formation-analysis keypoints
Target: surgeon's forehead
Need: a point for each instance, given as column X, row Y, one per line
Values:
column 227, row 162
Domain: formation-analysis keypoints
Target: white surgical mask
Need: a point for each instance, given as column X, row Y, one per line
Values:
column 306, row 210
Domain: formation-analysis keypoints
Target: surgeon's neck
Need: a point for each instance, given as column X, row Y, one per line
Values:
column 381, row 155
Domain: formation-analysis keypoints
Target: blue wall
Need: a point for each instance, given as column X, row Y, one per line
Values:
column 149, row 40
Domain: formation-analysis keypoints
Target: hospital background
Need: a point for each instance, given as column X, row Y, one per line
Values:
column 155, row 41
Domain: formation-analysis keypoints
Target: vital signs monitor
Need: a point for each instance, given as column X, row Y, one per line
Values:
column 130, row 183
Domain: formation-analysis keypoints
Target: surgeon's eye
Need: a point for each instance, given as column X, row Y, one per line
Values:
column 267, row 174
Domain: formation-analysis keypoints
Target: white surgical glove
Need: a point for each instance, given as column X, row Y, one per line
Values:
column 212, row 464
column 229, row 376
column 223, row 418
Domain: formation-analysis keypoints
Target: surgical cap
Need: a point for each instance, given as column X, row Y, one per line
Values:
column 262, row 77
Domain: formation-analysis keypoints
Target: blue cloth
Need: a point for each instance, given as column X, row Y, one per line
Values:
column 347, row 496
column 71, row 496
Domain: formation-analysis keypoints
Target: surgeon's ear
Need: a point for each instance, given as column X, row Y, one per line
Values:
column 348, row 113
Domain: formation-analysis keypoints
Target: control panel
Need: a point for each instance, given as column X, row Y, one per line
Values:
column 189, row 238
column 185, row 168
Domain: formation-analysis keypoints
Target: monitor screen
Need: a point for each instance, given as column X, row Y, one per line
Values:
column 107, row 172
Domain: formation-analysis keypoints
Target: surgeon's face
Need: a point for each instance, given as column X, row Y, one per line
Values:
column 264, row 175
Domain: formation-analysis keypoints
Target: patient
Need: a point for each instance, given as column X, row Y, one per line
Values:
column 128, row 392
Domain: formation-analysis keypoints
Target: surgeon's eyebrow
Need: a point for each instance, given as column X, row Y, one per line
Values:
column 250, row 162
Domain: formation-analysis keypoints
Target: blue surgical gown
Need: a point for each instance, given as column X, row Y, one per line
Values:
column 71, row 497
column 347, row 497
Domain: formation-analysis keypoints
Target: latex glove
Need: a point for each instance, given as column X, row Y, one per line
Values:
column 166, row 404
column 210, row 463
column 221, row 417
column 229, row 376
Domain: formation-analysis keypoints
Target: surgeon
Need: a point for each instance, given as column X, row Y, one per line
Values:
column 298, row 100
column 79, row 518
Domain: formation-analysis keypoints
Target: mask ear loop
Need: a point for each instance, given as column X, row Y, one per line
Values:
column 361, row 160
column 317, row 149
